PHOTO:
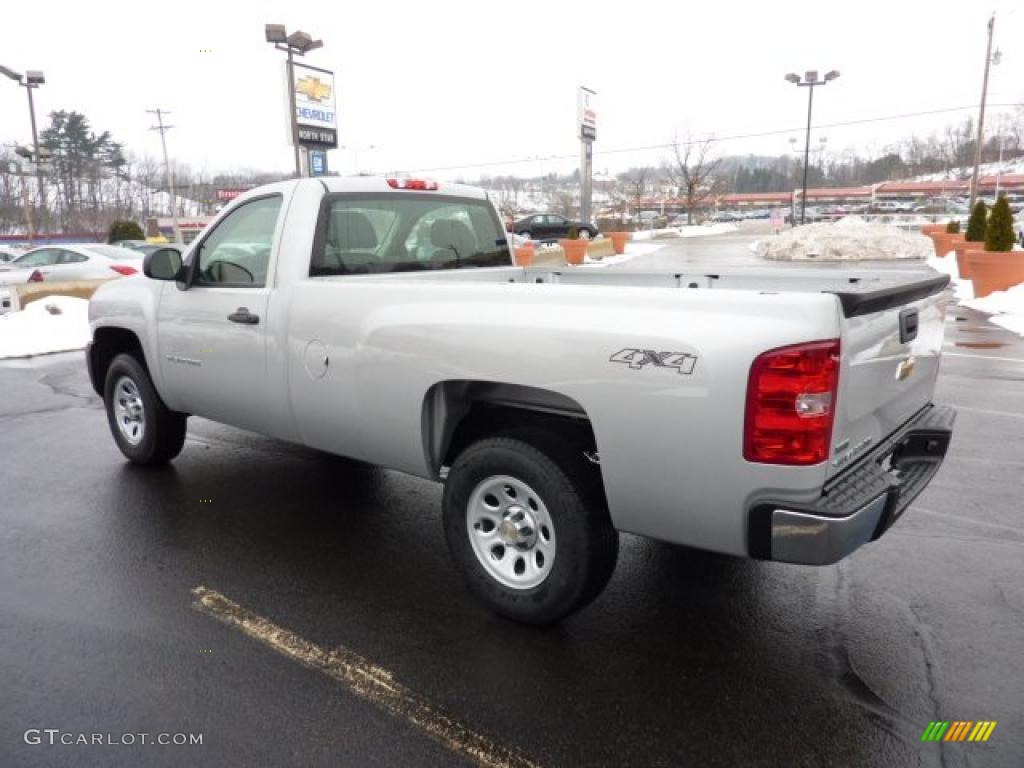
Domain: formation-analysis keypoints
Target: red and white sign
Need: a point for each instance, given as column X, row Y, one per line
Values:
column 230, row 193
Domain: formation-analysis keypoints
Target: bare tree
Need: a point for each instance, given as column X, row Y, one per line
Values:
column 692, row 169
column 635, row 183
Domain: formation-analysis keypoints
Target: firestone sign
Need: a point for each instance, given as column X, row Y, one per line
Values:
column 315, row 111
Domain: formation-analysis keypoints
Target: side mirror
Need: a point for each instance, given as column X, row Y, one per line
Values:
column 163, row 264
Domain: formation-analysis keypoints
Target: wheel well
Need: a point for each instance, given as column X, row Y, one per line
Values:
column 458, row 413
column 107, row 344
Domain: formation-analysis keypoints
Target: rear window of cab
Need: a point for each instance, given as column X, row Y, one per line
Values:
column 405, row 232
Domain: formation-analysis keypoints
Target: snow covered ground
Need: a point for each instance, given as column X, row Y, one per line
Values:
column 54, row 324
column 633, row 250
column 695, row 230
column 1005, row 307
column 849, row 239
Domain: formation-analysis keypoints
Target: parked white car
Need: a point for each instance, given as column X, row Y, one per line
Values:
column 78, row 261
column 7, row 253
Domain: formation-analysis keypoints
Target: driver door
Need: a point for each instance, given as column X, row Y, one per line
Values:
column 212, row 336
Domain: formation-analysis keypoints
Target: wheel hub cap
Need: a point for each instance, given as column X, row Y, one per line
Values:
column 511, row 532
column 129, row 412
column 518, row 528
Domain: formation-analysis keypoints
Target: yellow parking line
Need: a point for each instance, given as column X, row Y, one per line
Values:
column 366, row 681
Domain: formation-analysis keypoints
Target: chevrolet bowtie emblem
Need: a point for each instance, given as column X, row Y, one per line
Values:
column 313, row 88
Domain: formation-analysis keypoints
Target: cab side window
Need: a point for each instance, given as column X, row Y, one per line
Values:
column 237, row 253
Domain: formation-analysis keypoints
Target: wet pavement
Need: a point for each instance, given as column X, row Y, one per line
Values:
column 688, row 658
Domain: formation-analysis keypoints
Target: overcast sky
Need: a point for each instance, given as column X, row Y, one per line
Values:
column 437, row 84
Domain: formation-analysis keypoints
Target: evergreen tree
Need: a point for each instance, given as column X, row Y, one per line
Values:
column 125, row 230
column 999, row 232
column 976, row 224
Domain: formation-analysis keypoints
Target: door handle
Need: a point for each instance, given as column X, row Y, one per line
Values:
column 244, row 316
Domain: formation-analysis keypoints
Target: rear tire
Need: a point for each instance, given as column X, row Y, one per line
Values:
column 145, row 430
column 527, row 525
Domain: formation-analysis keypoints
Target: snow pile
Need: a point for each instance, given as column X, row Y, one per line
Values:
column 53, row 324
column 849, row 239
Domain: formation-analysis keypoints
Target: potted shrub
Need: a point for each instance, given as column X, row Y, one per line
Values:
column 619, row 240
column 524, row 254
column 997, row 267
column 944, row 240
column 975, row 234
column 574, row 249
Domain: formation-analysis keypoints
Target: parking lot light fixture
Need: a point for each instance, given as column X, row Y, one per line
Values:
column 809, row 81
column 275, row 33
column 31, row 80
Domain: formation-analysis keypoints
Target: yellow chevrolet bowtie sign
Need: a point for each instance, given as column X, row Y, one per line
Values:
column 313, row 88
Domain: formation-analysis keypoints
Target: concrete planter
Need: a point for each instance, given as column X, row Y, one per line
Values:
column 619, row 240
column 524, row 255
column 600, row 248
column 993, row 271
column 945, row 241
column 24, row 294
column 548, row 257
column 575, row 250
column 962, row 247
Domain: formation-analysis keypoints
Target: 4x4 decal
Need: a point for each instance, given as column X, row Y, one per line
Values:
column 638, row 358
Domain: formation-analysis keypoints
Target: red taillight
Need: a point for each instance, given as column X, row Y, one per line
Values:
column 36, row 276
column 121, row 269
column 419, row 184
column 791, row 402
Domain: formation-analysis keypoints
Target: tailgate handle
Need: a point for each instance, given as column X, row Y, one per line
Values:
column 908, row 325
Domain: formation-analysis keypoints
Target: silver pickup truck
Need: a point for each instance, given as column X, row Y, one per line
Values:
column 767, row 413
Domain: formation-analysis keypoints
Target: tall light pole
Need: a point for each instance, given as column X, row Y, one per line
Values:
column 167, row 167
column 31, row 80
column 989, row 60
column 810, row 80
column 299, row 43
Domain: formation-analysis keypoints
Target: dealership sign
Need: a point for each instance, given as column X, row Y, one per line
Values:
column 586, row 113
column 315, row 112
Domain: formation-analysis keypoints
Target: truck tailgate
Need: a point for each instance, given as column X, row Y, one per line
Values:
column 891, row 344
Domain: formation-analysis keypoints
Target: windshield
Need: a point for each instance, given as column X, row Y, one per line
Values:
column 360, row 234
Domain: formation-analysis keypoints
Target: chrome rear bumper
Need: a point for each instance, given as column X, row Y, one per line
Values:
column 860, row 504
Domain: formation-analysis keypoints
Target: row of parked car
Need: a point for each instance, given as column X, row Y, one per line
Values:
column 69, row 261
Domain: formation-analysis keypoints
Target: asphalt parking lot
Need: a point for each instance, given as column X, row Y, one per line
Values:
column 323, row 570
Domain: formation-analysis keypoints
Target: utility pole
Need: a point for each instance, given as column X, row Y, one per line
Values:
column 167, row 166
column 981, row 113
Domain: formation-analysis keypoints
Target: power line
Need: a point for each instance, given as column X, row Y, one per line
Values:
column 734, row 137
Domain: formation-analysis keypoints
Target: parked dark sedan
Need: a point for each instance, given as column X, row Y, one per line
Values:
column 549, row 226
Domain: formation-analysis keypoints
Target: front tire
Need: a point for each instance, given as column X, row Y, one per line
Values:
column 145, row 430
column 528, row 527
column 527, row 234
